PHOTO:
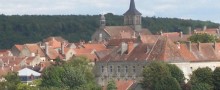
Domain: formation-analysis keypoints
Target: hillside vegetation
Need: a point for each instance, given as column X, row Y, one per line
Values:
column 33, row 28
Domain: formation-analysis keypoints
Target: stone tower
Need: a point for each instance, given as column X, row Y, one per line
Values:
column 133, row 17
column 102, row 22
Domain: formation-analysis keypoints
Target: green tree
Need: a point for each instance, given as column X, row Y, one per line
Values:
column 12, row 80
column 156, row 76
column 76, row 74
column 203, row 38
column 202, row 76
column 111, row 85
column 51, row 77
column 201, row 86
column 23, row 86
column 216, row 78
column 177, row 73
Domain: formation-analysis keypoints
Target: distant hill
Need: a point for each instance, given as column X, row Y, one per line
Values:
column 30, row 28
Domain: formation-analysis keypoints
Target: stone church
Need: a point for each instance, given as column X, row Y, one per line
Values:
column 132, row 27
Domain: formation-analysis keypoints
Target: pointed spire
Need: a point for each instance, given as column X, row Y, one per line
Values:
column 132, row 10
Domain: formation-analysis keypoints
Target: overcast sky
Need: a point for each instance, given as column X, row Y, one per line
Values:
column 186, row 9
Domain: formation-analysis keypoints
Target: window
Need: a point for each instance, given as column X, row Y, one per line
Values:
column 119, row 69
column 134, row 70
column 111, row 70
column 126, row 69
column 102, row 69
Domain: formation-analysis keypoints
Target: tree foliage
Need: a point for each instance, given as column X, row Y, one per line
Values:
column 17, row 29
column 76, row 74
column 177, row 73
column 111, row 85
column 202, row 78
column 157, row 76
column 203, row 38
column 216, row 78
column 201, row 86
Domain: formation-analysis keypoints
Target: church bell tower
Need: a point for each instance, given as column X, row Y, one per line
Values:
column 132, row 17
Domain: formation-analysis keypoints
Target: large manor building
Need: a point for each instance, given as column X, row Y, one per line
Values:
column 128, row 55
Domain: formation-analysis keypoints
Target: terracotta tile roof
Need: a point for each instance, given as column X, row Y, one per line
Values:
column 149, row 38
column 175, row 36
column 19, row 47
column 186, row 53
column 5, row 53
column 83, row 50
column 139, row 52
column 115, row 31
column 97, row 47
column 91, row 57
column 34, row 48
column 52, row 53
column 124, row 85
column 12, row 61
column 117, row 42
column 29, row 60
column 165, row 50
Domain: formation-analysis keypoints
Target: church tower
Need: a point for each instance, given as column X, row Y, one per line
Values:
column 102, row 21
column 133, row 17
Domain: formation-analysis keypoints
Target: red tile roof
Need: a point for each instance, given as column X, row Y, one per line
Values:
column 95, row 46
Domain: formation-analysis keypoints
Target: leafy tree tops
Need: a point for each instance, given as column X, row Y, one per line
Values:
column 203, row 38
column 17, row 29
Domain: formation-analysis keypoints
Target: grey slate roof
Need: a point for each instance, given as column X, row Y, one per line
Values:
column 132, row 10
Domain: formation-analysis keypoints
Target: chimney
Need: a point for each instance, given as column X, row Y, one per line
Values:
column 161, row 33
column 215, row 46
column 178, row 45
column 134, row 35
column 130, row 46
column 190, row 31
column 204, row 28
column 62, row 48
column 181, row 34
column 124, row 47
column 199, row 46
column 46, row 48
column 189, row 45
column 100, row 37
column 217, row 31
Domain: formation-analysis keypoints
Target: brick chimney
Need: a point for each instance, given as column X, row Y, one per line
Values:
column 62, row 48
column 189, row 45
column 130, row 46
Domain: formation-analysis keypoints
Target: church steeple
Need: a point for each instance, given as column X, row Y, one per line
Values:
column 132, row 10
column 133, row 17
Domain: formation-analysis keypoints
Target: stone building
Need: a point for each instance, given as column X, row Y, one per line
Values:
column 131, row 29
column 127, row 61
